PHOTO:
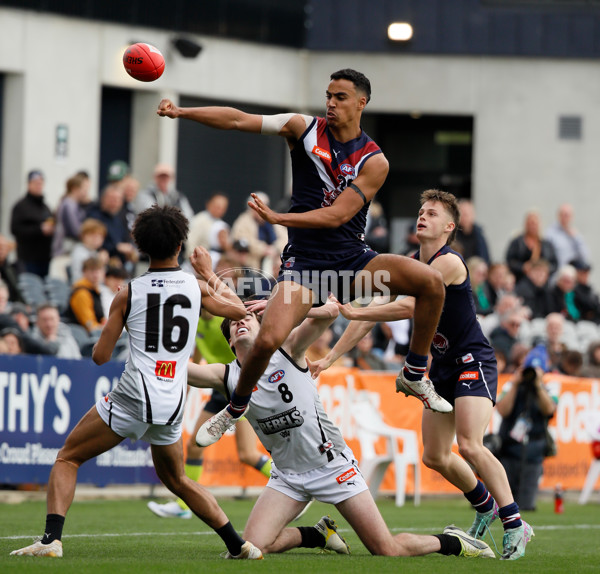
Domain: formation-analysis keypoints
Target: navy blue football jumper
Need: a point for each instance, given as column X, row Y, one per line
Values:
column 464, row 363
column 322, row 169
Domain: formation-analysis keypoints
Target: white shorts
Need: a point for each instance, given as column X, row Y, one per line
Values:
column 332, row 483
column 126, row 426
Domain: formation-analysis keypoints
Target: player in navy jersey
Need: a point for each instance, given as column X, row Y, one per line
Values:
column 160, row 310
column 337, row 170
column 463, row 371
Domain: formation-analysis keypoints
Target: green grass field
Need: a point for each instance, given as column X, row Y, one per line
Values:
column 123, row 536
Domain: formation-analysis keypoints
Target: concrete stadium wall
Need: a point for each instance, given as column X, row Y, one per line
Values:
column 55, row 67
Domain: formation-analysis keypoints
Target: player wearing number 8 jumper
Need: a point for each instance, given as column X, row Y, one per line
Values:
column 160, row 310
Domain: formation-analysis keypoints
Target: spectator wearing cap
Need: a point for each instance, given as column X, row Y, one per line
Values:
column 264, row 239
column 526, row 404
column 117, row 170
column 568, row 243
column 586, row 299
column 162, row 192
column 32, row 225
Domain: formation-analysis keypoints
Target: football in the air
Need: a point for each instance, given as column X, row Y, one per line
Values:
column 143, row 62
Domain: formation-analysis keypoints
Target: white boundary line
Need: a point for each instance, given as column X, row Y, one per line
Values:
column 210, row 533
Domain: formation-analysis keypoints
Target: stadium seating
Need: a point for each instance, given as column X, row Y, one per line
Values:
column 32, row 288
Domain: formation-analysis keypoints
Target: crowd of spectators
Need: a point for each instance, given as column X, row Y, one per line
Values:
column 538, row 292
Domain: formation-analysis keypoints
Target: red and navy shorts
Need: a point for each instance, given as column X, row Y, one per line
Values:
column 476, row 379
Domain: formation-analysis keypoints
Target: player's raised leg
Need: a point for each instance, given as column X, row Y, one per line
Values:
column 288, row 305
column 406, row 276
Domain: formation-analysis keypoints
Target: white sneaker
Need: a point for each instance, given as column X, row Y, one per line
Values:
column 169, row 510
column 333, row 541
column 424, row 391
column 52, row 550
column 215, row 427
column 249, row 552
column 470, row 546
column 515, row 540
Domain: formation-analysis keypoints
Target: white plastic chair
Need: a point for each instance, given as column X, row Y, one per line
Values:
column 369, row 428
column 591, row 421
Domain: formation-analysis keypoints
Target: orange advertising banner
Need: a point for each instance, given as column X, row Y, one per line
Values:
column 338, row 389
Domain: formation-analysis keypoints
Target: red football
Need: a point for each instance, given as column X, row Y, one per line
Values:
column 143, row 62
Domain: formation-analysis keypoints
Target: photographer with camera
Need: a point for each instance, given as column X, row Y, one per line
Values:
column 526, row 404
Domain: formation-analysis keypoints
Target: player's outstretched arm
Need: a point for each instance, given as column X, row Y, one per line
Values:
column 207, row 376
column 289, row 126
column 310, row 330
column 104, row 347
column 362, row 320
column 344, row 208
column 219, row 117
column 217, row 297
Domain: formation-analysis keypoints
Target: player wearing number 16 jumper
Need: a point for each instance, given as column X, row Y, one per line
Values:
column 160, row 310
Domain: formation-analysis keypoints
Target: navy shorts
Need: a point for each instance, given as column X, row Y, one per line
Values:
column 216, row 403
column 326, row 272
column 476, row 379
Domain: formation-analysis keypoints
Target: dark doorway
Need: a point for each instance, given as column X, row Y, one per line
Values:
column 424, row 152
column 115, row 129
column 232, row 162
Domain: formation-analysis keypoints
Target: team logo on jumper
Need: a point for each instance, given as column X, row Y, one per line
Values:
column 158, row 282
column 440, row 343
column 282, row 421
column 347, row 169
column 346, row 476
column 469, row 376
column 289, row 262
column 322, row 153
column 277, row 376
column 165, row 369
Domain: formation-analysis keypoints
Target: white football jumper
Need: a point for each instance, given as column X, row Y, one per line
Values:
column 162, row 313
column 288, row 417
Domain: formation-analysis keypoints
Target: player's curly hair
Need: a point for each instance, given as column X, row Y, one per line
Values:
column 159, row 231
column 360, row 81
column 450, row 203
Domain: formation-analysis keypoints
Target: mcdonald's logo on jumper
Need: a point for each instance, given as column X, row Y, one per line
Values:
column 165, row 369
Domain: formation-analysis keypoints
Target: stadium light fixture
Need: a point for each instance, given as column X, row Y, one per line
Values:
column 400, row 31
column 186, row 47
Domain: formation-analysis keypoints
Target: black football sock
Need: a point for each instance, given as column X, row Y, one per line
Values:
column 311, row 537
column 54, row 528
column 450, row 545
column 232, row 539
